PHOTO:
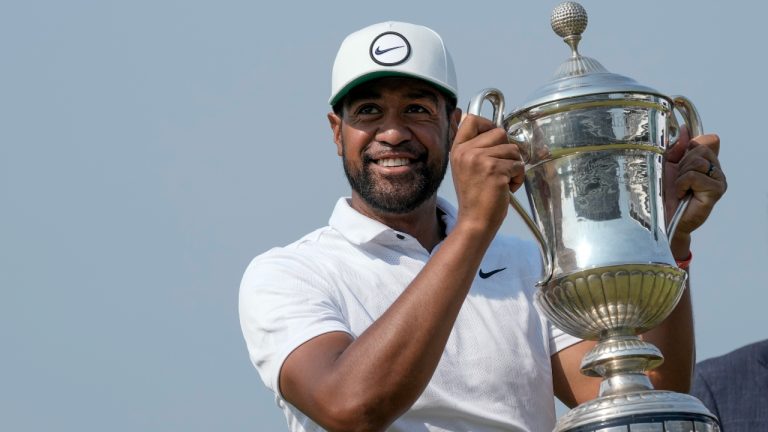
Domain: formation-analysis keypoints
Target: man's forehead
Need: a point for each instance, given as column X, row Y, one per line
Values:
column 411, row 88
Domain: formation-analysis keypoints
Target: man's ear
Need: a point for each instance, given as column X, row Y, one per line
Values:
column 335, row 122
column 455, row 121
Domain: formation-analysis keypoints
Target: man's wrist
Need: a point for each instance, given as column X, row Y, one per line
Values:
column 685, row 263
column 472, row 235
column 681, row 246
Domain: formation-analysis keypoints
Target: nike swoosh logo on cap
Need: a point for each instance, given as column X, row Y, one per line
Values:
column 484, row 275
column 380, row 51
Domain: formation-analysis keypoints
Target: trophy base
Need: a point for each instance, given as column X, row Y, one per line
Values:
column 642, row 411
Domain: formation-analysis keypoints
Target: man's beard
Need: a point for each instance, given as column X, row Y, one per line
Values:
column 397, row 195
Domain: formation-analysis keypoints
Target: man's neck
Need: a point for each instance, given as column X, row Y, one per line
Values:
column 423, row 223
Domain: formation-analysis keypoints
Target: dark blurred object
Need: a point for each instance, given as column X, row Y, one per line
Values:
column 734, row 387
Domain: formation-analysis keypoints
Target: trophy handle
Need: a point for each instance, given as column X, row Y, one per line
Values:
column 496, row 98
column 693, row 121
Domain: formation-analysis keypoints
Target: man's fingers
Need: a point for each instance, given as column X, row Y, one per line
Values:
column 499, row 160
column 503, row 151
column 472, row 126
column 684, row 146
column 699, row 183
column 706, row 192
column 700, row 170
column 676, row 152
column 700, row 158
column 710, row 141
column 696, row 214
column 518, row 179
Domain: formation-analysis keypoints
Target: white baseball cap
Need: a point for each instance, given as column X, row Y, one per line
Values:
column 392, row 49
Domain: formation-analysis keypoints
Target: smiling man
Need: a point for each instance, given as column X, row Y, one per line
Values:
column 397, row 169
column 408, row 314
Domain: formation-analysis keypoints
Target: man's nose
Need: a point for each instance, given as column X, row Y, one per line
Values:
column 393, row 131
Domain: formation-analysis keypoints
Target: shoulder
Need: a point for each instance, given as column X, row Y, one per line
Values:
column 736, row 360
column 305, row 252
column 733, row 386
column 736, row 369
column 291, row 281
column 299, row 270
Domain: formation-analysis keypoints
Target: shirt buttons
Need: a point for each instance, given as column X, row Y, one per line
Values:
column 400, row 236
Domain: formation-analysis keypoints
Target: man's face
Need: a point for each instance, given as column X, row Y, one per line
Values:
column 394, row 136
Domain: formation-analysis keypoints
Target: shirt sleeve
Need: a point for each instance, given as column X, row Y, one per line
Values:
column 559, row 340
column 283, row 303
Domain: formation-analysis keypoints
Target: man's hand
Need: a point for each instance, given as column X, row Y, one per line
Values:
column 485, row 167
column 692, row 164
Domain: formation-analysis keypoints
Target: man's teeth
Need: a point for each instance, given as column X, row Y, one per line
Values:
column 393, row 162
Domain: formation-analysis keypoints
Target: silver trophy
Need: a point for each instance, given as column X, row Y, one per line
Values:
column 593, row 144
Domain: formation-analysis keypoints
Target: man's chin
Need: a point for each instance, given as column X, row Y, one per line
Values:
column 395, row 204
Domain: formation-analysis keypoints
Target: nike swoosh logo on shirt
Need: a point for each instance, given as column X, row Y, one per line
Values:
column 484, row 275
column 380, row 51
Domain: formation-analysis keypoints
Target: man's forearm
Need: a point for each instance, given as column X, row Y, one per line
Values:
column 675, row 338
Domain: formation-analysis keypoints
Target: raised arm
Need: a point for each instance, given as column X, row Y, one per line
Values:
column 366, row 383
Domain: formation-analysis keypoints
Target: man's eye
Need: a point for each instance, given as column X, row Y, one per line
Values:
column 368, row 109
column 417, row 109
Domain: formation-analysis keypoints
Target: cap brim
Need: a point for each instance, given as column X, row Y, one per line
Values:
column 383, row 74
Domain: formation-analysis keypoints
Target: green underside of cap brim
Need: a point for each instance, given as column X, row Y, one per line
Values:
column 383, row 74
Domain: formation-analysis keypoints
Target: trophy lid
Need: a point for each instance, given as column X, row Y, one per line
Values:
column 579, row 75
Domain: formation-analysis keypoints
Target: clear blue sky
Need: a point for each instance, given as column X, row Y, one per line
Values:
column 150, row 149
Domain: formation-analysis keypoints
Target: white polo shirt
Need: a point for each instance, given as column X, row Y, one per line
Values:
column 494, row 374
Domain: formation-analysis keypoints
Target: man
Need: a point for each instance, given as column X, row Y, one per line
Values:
column 408, row 314
column 735, row 387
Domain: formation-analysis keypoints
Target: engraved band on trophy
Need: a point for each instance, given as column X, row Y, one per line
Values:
column 593, row 144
